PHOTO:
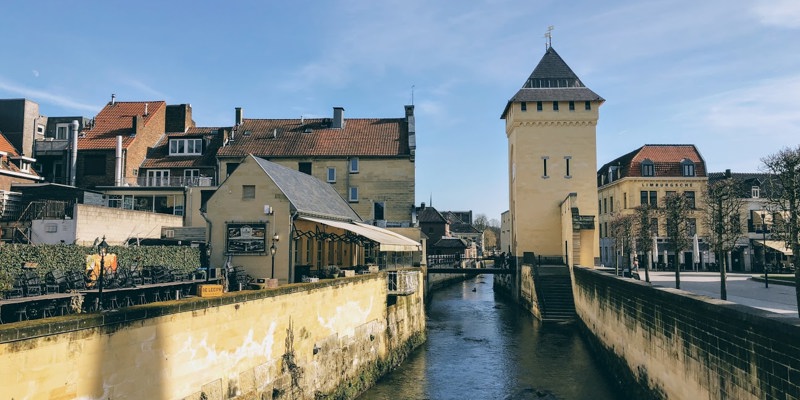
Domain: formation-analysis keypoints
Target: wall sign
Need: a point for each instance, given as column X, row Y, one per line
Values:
column 246, row 237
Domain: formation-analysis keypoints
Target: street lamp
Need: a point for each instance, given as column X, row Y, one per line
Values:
column 272, row 250
column 102, row 249
column 764, row 250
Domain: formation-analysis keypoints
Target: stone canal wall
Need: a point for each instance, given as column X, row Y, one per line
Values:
column 525, row 294
column 331, row 338
column 668, row 344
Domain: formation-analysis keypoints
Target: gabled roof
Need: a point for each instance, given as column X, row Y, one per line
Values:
column 430, row 215
column 271, row 138
column 767, row 183
column 6, row 146
column 666, row 159
column 463, row 228
column 451, row 243
column 117, row 119
column 552, row 80
column 158, row 156
column 309, row 195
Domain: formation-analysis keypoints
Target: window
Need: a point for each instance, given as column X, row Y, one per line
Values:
column 587, row 105
column 611, row 203
column 158, row 177
column 248, row 192
column 304, row 167
column 185, row 147
column 544, row 167
column 625, row 200
column 555, row 106
column 654, row 226
column 353, row 165
column 178, row 210
column 605, row 206
column 40, row 129
column 62, row 131
column 319, row 253
column 649, row 198
column 191, row 177
column 51, row 228
column 566, row 160
column 691, row 226
column 538, row 106
column 331, row 175
column 572, row 105
column 755, row 192
column 523, row 106
column 378, row 210
column 687, row 167
column 648, row 168
column 690, row 198
column 94, row 164
column 309, row 249
column 297, row 244
column 353, row 194
column 114, row 201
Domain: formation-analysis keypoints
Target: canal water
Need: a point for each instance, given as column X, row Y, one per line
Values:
column 482, row 346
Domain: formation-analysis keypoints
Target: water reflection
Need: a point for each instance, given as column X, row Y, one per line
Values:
column 482, row 347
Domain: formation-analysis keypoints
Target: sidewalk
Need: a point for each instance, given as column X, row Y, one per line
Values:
column 741, row 289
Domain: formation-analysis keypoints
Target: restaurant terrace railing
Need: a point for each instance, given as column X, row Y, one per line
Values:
column 402, row 283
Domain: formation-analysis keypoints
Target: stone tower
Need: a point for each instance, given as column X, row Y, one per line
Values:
column 552, row 159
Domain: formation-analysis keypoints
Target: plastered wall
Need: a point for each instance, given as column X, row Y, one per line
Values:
column 290, row 343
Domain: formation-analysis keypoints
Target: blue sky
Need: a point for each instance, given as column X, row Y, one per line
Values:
column 721, row 74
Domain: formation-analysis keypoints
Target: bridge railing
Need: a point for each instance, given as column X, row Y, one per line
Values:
column 403, row 283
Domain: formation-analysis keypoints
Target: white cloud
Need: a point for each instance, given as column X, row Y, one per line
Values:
column 41, row 96
column 780, row 13
column 35, row 73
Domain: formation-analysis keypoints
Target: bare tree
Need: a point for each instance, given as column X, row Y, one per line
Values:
column 622, row 229
column 784, row 197
column 722, row 217
column 676, row 212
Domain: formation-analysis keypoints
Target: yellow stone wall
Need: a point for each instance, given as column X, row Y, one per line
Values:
column 534, row 199
column 117, row 224
column 296, row 340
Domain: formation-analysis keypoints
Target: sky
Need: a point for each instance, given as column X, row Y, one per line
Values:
column 721, row 74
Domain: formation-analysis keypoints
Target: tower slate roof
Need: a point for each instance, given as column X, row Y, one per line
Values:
column 552, row 80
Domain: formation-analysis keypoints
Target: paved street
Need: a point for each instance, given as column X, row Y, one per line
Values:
column 741, row 289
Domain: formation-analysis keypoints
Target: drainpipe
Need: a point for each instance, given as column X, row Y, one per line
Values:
column 291, row 245
column 208, row 243
column 73, row 162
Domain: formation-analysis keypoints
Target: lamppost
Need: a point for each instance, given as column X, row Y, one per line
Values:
column 208, row 262
column 102, row 249
column 764, row 250
column 273, row 249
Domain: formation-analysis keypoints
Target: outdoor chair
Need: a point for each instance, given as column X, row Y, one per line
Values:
column 16, row 290
column 33, row 285
column 75, row 280
column 55, row 281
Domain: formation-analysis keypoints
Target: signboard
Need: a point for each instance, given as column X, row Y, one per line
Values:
column 246, row 238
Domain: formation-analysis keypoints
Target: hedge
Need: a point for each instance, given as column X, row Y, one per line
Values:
column 73, row 258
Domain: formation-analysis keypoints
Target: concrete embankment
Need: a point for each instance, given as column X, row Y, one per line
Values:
column 330, row 339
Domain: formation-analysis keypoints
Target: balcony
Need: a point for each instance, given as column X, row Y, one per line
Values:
column 403, row 283
column 181, row 181
column 51, row 147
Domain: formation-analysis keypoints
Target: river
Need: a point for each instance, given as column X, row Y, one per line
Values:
column 482, row 346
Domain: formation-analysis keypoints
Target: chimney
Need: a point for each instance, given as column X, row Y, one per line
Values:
column 239, row 116
column 412, row 131
column 338, row 118
column 113, row 99
column 727, row 173
column 145, row 108
column 422, row 207
column 137, row 125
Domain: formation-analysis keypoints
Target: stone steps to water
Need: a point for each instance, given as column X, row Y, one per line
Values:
column 555, row 289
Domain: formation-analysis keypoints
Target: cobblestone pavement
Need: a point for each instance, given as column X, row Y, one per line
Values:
column 741, row 289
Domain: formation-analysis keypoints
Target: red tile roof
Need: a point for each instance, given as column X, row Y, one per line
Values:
column 6, row 146
column 314, row 137
column 666, row 159
column 117, row 119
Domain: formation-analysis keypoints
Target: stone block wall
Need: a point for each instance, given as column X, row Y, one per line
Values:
column 669, row 344
column 303, row 341
column 117, row 224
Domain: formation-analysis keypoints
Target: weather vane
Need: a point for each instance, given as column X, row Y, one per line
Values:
column 548, row 36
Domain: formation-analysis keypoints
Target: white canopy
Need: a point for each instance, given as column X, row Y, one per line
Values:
column 388, row 240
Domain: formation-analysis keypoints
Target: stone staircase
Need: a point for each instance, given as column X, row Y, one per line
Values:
column 554, row 288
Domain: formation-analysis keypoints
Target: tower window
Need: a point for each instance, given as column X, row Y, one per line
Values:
column 538, row 106
column 523, row 106
column 544, row 167
column 587, row 105
column 572, row 106
column 555, row 106
column 567, row 160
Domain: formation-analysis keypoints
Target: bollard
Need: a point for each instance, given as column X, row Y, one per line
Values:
column 178, row 294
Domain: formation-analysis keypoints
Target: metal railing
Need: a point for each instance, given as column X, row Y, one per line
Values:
column 175, row 181
column 403, row 282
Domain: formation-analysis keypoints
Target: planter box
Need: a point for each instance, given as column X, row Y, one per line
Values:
column 373, row 268
column 209, row 290
column 347, row 273
column 265, row 284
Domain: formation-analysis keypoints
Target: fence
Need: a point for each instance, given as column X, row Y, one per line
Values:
column 403, row 282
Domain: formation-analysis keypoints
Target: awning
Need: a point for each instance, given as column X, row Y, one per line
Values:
column 388, row 240
column 776, row 245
